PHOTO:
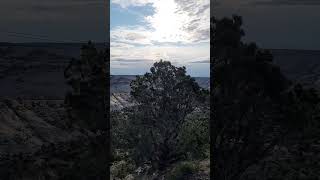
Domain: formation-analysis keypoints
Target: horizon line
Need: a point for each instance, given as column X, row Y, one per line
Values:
column 143, row 74
column 99, row 42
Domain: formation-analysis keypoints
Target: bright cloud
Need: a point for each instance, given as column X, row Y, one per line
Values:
column 131, row 35
column 177, row 30
column 173, row 21
column 166, row 23
column 128, row 3
column 178, row 54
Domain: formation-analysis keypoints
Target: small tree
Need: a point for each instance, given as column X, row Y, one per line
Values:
column 86, row 102
column 246, row 91
column 164, row 98
column 86, row 106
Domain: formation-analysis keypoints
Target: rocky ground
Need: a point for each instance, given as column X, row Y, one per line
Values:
column 37, row 141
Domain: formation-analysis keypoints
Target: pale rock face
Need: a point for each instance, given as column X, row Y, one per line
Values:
column 120, row 90
column 129, row 177
column 26, row 126
column 119, row 101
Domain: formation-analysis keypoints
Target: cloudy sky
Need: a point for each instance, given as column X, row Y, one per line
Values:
column 145, row 31
column 53, row 20
column 280, row 24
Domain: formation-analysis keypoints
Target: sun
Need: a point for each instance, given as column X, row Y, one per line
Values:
column 167, row 22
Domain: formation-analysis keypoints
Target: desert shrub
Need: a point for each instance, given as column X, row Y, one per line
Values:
column 164, row 97
column 86, row 102
column 246, row 94
column 121, row 169
column 119, row 127
column 302, row 109
column 194, row 137
column 182, row 170
column 86, row 105
column 257, row 110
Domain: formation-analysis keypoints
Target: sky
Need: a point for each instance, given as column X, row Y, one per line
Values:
column 53, row 20
column 145, row 31
column 276, row 24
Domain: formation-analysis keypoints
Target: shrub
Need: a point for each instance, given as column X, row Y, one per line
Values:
column 194, row 136
column 164, row 98
column 121, row 169
column 182, row 170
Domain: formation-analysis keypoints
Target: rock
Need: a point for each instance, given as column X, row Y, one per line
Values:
column 129, row 177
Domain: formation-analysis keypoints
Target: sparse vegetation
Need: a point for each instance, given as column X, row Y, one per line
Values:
column 168, row 124
column 182, row 171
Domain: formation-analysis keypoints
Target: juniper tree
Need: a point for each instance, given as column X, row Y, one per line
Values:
column 164, row 98
column 86, row 106
column 86, row 102
column 246, row 88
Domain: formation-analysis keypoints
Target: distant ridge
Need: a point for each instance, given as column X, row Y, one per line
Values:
column 49, row 44
column 294, row 49
column 121, row 83
column 25, row 72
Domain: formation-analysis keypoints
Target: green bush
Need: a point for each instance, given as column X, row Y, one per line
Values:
column 194, row 137
column 164, row 97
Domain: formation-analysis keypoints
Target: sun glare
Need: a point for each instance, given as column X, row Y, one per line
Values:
column 175, row 30
column 167, row 23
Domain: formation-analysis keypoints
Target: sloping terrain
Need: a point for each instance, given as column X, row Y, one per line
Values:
column 119, row 101
column 121, row 83
column 35, row 71
column 301, row 66
column 33, row 123
column 37, row 139
column 120, row 90
column 25, row 126
column 38, row 142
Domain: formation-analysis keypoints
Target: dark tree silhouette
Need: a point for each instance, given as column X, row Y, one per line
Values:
column 87, row 106
column 164, row 98
column 86, row 102
column 246, row 88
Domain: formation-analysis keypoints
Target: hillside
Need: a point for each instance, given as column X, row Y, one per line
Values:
column 34, row 71
column 32, row 114
column 301, row 66
column 37, row 139
column 121, row 83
